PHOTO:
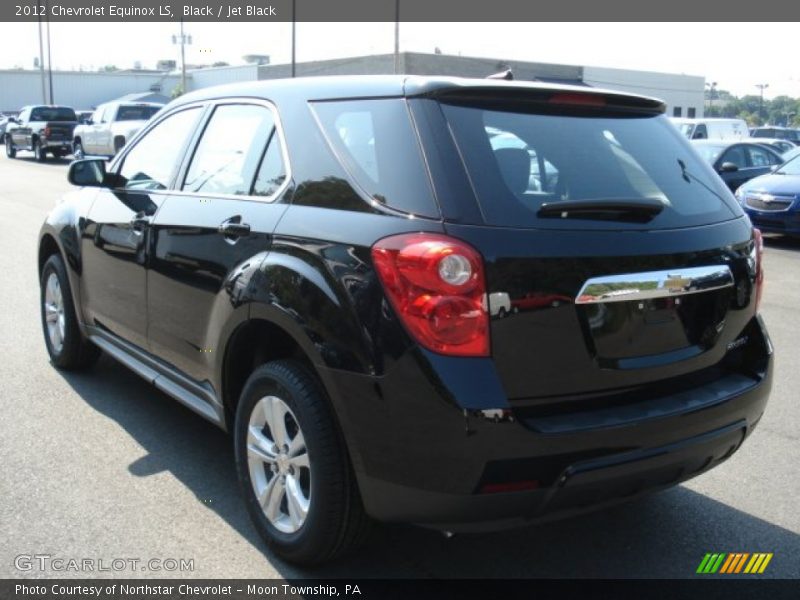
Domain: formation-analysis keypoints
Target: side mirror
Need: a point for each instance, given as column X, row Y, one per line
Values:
column 728, row 167
column 89, row 172
column 13, row 120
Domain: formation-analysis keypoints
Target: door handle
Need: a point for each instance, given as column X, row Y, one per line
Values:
column 140, row 221
column 234, row 227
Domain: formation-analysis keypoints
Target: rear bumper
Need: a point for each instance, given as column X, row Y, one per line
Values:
column 425, row 452
column 56, row 144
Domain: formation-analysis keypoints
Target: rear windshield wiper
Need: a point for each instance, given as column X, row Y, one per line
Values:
column 639, row 210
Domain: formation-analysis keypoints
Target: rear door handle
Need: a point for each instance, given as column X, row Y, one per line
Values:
column 234, row 227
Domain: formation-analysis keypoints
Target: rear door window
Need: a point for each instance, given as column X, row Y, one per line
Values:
column 376, row 143
column 230, row 150
column 517, row 161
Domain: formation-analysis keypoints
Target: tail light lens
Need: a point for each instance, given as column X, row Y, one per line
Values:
column 758, row 243
column 436, row 285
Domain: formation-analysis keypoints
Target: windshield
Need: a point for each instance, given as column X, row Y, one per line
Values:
column 709, row 152
column 136, row 113
column 53, row 113
column 791, row 167
column 686, row 129
column 518, row 161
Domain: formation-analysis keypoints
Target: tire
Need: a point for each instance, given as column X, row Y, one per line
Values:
column 119, row 144
column 62, row 335
column 77, row 150
column 39, row 152
column 11, row 152
column 334, row 522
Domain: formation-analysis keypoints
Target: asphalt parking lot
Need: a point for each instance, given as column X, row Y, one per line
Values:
column 101, row 465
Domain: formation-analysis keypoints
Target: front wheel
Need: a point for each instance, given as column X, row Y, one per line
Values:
column 293, row 466
column 77, row 150
column 62, row 335
column 11, row 152
column 39, row 151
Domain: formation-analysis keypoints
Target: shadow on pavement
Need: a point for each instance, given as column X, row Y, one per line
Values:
column 785, row 242
column 51, row 161
column 662, row 536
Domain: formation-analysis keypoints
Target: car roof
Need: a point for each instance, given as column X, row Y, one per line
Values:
column 374, row 86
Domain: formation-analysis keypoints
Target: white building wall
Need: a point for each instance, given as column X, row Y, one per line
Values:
column 81, row 90
column 684, row 91
column 203, row 78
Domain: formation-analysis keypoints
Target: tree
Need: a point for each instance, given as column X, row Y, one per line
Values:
column 109, row 68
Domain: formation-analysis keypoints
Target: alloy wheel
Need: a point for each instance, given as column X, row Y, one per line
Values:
column 279, row 465
column 54, row 312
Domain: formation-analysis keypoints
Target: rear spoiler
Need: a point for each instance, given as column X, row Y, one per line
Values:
column 520, row 96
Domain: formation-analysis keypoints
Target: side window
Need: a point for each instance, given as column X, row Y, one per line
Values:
column 700, row 132
column 151, row 162
column 229, row 152
column 375, row 142
column 272, row 172
column 736, row 156
column 759, row 157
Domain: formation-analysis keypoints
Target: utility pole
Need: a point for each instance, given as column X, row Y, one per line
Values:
column 41, row 61
column 761, row 87
column 396, row 36
column 294, row 33
column 49, row 55
column 183, row 41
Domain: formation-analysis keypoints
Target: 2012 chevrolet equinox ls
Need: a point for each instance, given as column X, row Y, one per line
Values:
column 458, row 303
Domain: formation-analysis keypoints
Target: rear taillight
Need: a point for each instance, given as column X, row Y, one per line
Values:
column 436, row 285
column 758, row 243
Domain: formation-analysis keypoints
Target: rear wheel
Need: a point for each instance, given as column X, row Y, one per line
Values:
column 293, row 466
column 39, row 151
column 77, row 150
column 11, row 152
column 62, row 335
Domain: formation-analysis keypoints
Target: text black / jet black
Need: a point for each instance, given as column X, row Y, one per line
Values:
column 460, row 303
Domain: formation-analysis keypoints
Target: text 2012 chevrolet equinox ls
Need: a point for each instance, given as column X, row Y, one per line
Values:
column 458, row 303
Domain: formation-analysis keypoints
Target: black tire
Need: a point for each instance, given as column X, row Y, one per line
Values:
column 11, row 152
column 39, row 151
column 119, row 144
column 76, row 352
column 77, row 150
column 335, row 522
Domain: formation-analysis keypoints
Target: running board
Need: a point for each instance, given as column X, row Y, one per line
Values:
column 185, row 391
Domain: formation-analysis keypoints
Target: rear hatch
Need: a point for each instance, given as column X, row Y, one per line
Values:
column 614, row 255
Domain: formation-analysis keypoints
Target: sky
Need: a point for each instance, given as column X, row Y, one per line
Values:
column 717, row 51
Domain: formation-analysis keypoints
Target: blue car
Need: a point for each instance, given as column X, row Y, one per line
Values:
column 773, row 201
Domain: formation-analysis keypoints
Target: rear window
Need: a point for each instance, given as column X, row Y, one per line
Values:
column 378, row 147
column 518, row 161
column 53, row 113
column 136, row 113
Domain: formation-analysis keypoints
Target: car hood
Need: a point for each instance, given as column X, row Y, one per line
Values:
column 784, row 185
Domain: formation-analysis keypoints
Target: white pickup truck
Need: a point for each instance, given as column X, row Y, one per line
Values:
column 111, row 126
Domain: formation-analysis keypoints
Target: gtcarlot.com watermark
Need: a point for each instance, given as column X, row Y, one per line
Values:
column 50, row 562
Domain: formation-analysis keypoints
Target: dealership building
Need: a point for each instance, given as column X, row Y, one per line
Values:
column 683, row 94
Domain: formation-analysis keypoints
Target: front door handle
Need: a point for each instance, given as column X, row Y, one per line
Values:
column 140, row 221
column 234, row 227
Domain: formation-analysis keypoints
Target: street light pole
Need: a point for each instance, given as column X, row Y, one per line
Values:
column 294, row 33
column 49, row 55
column 183, row 60
column 396, row 36
column 761, row 87
column 41, row 61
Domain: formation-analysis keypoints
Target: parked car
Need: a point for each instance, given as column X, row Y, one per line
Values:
column 783, row 133
column 738, row 162
column 83, row 116
column 110, row 127
column 43, row 130
column 773, row 201
column 711, row 129
column 306, row 263
column 3, row 123
column 778, row 144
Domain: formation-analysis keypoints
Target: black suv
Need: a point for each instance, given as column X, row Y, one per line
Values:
column 41, row 129
column 458, row 303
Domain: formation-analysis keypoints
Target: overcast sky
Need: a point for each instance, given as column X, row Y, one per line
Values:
column 721, row 52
